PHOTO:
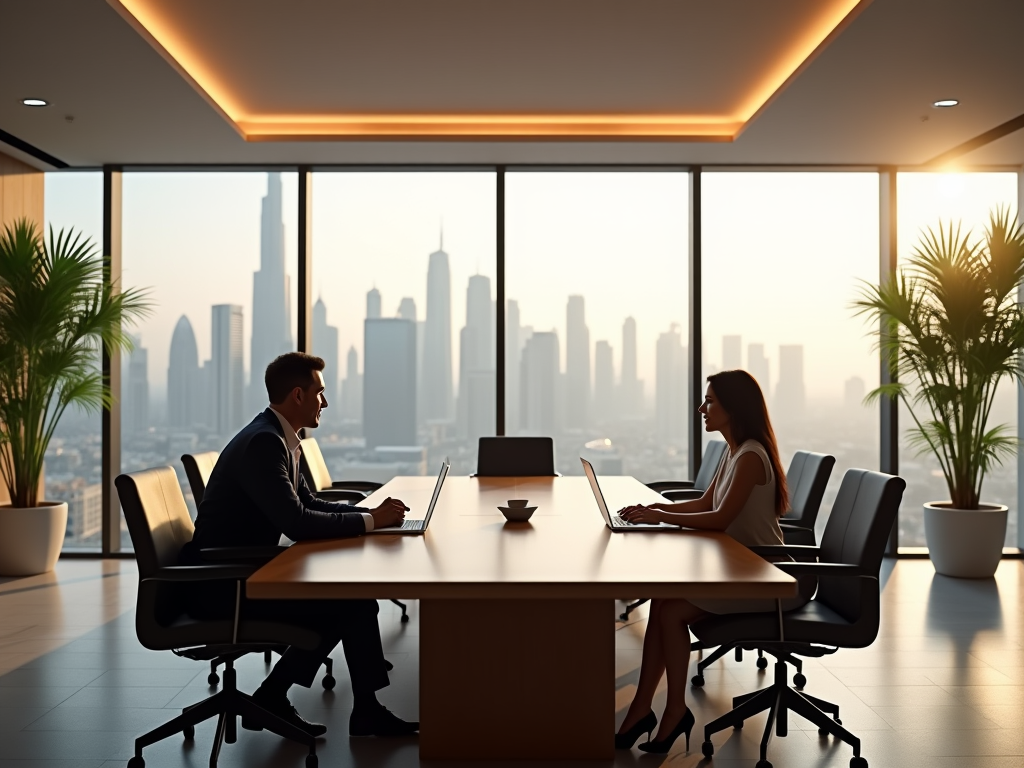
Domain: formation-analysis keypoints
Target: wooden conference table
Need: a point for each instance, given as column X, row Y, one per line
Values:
column 517, row 644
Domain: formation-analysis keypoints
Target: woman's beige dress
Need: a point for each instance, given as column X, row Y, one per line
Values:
column 756, row 524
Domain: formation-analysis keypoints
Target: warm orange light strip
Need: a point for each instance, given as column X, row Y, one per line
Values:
column 145, row 17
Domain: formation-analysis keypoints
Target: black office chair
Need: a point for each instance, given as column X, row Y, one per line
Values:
column 684, row 490
column 515, row 457
column 318, row 478
column 159, row 525
column 807, row 477
column 844, row 612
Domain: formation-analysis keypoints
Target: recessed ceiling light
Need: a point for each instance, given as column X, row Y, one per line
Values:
column 946, row 103
column 35, row 102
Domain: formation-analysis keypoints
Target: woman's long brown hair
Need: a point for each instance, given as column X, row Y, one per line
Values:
column 742, row 399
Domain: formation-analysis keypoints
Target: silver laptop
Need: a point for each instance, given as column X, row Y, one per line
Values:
column 615, row 522
column 416, row 527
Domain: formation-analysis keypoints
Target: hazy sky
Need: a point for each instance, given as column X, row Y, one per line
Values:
column 782, row 251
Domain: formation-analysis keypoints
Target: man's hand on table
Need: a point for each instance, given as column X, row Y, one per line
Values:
column 391, row 512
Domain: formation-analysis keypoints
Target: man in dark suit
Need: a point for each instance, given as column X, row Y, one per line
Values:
column 255, row 494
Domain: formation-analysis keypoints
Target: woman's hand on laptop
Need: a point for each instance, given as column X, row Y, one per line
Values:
column 640, row 514
column 391, row 512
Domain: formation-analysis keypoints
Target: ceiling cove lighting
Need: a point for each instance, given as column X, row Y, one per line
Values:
column 156, row 22
column 35, row 102
column 942, row 103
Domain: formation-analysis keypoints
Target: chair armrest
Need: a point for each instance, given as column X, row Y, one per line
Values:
column 793, row 550
column 240, row 554
column 789, row 524
column 670, row 485
column 184, row 573
column 821, row 569
column 683, row 495
column 338, row 494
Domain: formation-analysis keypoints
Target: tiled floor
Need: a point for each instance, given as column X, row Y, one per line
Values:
column 942, row 686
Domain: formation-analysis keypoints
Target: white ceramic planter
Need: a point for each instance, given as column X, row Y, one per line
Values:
column 31, row 538
column 967, row 543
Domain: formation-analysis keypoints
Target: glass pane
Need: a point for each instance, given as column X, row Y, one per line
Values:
column 596, row 270
column 783, row 254
column 923, row 200
column 74, row 457
column 218, row 253
column 404, row 280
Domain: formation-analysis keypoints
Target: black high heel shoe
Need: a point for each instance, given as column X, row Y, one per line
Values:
column 683, row 726
column 644, row 725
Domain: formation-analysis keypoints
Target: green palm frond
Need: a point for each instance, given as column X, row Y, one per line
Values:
column 56, row 314
column 952, row 330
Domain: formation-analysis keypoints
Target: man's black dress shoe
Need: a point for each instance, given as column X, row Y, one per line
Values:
column 381, row 723
column 280, row 706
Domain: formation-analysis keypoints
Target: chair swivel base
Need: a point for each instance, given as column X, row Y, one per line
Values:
column 799, row 680
column 227, row 705
column 779, row 699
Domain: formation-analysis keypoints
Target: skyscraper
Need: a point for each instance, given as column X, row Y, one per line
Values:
column 372, row 304
column 604, row 383
column 352, row 388
column 577, row 365
column 630, row 387
column 476, row 361
column 389, row 392
column 539, row 384
column 759, row 367
column 325, row 345
column 790, row 395
column 271, row 314
column 136, row 389
column 407, row 311
column 513, row 355
column 183, row 393
column 670, row 385
column 853, row 396
column 437, row 341
column 732, row 355
column 227, row 379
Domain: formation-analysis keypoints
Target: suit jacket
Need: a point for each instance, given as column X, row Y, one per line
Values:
column 251, row 498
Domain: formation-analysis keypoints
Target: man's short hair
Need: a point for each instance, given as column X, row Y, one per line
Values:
column 288, row 371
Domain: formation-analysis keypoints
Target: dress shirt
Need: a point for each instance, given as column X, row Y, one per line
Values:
column 291, row 439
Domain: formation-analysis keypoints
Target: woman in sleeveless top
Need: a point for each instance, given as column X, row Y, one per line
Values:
column 745, row 500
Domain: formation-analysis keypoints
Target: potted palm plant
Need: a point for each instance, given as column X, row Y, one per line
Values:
column 955, row 331
column 55, row 312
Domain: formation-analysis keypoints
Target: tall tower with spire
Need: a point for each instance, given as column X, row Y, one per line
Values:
column 438, row 402
column 271, row 326
column 325, row 345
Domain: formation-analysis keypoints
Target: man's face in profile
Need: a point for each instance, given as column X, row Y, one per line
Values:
column 314, row 401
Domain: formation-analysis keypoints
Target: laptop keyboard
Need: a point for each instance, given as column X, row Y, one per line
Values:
column 412, row 525
column 616, row 520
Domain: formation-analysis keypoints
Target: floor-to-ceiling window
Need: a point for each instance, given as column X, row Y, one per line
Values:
column 784, row 256
column 217, row 252
column 404, row 289
column 596, row 312
column 925, row 200
column 74, row 200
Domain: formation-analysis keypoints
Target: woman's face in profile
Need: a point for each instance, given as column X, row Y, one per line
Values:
column 715, row 416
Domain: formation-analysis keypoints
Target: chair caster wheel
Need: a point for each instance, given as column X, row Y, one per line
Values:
column 799, row 680
column 707, row 749
column 763, row 764
column 213, row 679
column 137, row 762
column 838, row 721
column 762, row 663
column 189, row 732
column 329, row 682
column 697, row 680
column 858, row 762
column 739, row 726
column 312, row 761
column 405, row 618
column 822, row 732
column 623, row 617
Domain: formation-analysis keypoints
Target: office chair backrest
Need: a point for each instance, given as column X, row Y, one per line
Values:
column 157, row 517
column 516, row 457
column 198, row 469
column 807, row 477
column 709, row 463
column 856, row 532
column 313, row 466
